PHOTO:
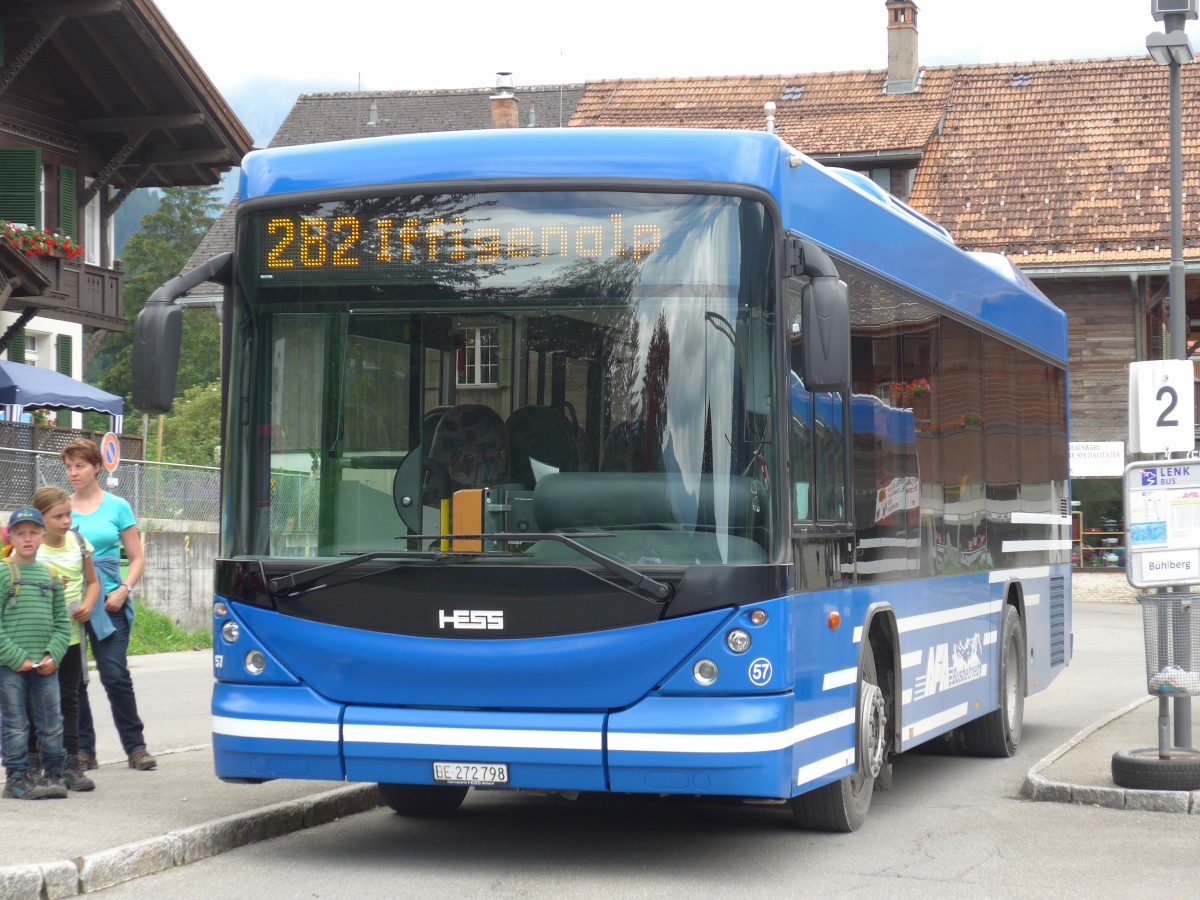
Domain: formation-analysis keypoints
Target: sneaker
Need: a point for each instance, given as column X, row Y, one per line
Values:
column 141, row 760
column 27, row 786
column 87, row 760
column 74, row 778
column 53, row 780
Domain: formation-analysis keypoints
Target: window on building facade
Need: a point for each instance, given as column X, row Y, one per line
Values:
column 479, row 357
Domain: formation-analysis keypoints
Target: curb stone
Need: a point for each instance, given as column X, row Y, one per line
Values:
column 107, row 868
column 1038, row 788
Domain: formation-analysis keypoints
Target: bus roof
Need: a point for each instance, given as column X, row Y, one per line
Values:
column 876, row 233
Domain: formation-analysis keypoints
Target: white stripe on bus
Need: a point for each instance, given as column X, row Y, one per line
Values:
column 916, row 729
column 1030, row 518
column 273, row 728
column 424, row 735
column 1033, row 599
column 941, row 617
column 840, row 678
column 633, row 742
column 890, row 542
column 908, row 660
column 1032, row 546
column 822, row 767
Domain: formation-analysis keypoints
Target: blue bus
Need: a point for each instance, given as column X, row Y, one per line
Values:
column 630, row 461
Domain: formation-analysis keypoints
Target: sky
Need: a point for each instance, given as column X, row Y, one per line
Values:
column 391, row 45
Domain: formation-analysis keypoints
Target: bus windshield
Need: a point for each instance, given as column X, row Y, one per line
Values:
column 591, row 363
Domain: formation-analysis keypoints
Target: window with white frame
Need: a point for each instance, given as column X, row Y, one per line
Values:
column 479, row 356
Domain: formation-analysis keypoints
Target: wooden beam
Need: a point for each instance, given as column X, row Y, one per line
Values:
column 83, row 75
column 217, row 156
column 84, row 195
column 117, row 60
column 14, row 68
column 68, row 9
column 142, row 123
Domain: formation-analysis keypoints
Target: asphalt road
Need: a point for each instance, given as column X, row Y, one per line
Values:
column 951, row 827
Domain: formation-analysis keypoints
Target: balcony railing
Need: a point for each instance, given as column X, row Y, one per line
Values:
column 93, row 291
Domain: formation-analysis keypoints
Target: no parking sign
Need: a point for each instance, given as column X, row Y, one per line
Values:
column 110, row 452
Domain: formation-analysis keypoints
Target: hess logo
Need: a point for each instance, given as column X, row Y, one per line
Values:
column 472, row 619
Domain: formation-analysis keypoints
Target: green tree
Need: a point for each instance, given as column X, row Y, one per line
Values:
column 154, row 255
column 192, row 430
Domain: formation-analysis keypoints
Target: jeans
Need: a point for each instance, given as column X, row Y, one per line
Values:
column 70, row 676
column 47, row 719
column 113, row 670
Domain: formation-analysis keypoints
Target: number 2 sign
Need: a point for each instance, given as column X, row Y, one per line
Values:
column 1162, row 406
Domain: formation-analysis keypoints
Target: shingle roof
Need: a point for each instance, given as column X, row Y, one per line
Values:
column 333, row 117
column 1052, row 162
column 316, row 118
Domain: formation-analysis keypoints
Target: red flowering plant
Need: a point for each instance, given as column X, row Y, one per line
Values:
column 34, row 242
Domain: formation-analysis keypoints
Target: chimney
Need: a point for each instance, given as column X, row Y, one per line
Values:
column 902, row 47
column 504, row 102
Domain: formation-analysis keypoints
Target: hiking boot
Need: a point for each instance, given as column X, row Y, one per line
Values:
column 74, row 778
column 27, row 786
column 87, row 760
column 141, row 760
column 54, row 782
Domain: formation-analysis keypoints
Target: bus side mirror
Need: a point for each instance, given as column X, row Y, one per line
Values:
column 825, row 329
column 158, row 336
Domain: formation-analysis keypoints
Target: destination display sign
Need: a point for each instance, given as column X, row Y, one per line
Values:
column 470, row 240
column 1162, row 523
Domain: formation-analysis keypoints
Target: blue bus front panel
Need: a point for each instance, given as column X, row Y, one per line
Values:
column 548, row 751
column 267, row 731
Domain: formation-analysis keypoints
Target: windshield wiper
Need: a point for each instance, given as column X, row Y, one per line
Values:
column 286, row 583
column 657, row 589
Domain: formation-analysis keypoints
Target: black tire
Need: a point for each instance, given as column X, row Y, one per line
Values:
column 422, row 799
column 844, row 804
column 1143, row 770
column 998, row 734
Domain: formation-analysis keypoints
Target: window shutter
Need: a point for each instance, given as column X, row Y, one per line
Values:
column 62, row 348
column 68, row 203
column 20, row 185
column 506, row 355
column 16, row 347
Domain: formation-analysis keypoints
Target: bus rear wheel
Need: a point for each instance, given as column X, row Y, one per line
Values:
column 998, row 733
column 844, row 804
column 422, row 799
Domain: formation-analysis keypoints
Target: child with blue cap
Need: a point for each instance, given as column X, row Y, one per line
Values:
column 34, row 636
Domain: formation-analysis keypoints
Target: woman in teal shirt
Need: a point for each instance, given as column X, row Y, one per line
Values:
column 108, row 522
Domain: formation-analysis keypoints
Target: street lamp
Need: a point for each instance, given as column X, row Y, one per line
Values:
column 1170, row 48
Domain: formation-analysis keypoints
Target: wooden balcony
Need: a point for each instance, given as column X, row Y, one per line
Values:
column 67, row 289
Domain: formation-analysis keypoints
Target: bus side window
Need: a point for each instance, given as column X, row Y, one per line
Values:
column 800, row 413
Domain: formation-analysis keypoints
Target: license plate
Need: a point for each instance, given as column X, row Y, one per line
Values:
column 470, row 773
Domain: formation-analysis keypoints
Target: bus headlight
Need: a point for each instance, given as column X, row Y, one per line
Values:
column 231, row 631
column 255, row 662
column 705, row 672
column 738, row 641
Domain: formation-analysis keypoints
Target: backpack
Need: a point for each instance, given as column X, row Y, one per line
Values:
column 15, row 583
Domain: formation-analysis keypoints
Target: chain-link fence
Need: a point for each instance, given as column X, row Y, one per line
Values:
column 169, row 492
column 163, row 491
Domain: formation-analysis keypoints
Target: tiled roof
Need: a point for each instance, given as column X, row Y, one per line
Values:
column 316, row 118
column 1054, row 163
column 334, row 117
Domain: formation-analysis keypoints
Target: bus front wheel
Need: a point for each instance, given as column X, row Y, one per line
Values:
column 422, row 799
column 843, row 805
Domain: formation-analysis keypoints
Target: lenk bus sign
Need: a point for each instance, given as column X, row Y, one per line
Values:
column 1162, row 523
